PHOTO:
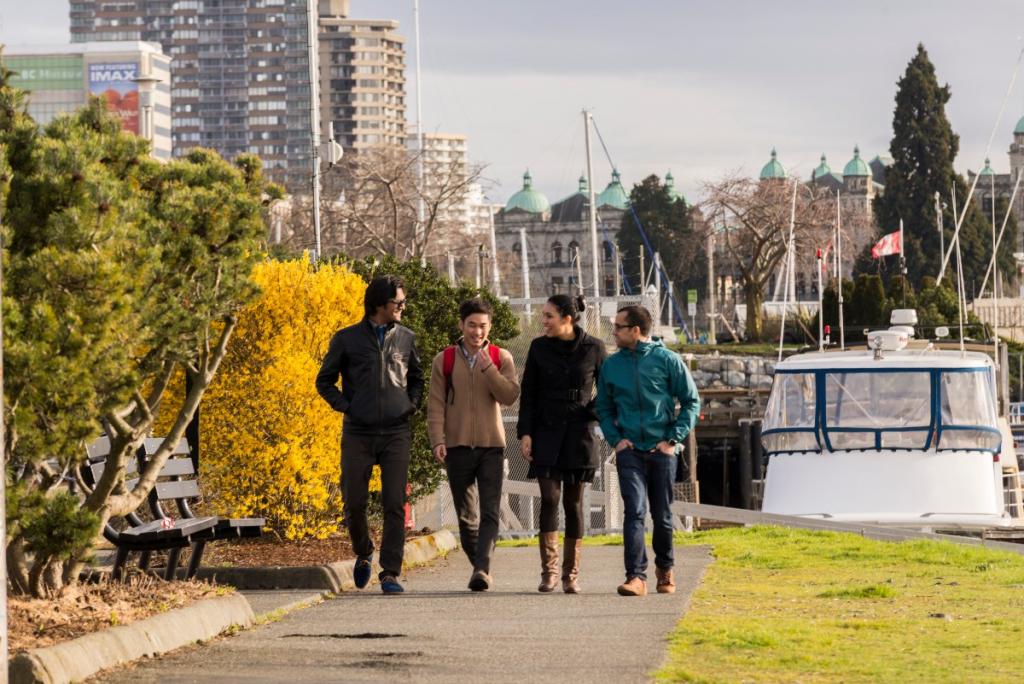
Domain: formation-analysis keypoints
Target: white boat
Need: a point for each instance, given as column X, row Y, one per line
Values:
column 890, row 435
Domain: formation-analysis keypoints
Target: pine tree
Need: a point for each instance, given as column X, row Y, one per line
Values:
column 923, row 149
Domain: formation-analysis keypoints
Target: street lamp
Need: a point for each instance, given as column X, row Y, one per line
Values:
column 147, row 90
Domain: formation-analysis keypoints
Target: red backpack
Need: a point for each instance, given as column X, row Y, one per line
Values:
column 448, row 365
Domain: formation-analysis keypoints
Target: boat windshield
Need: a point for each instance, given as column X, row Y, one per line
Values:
column 842, row 409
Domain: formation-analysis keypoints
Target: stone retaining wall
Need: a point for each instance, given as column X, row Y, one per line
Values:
column 741, row 372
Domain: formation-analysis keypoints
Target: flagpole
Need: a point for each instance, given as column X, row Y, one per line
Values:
column 839, row 270
column 821, row 311
column 903, row 265
column 995, row 284
column 789, row 269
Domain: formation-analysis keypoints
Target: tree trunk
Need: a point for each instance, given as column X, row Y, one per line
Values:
column 17, row 566
column 755, row 320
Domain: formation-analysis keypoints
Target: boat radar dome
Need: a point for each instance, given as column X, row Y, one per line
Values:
column 903, row 321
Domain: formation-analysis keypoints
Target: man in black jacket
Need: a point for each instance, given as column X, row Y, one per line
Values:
column 381, row 387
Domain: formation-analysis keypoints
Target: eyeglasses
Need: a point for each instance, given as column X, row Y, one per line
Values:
column 623, row 327
column 399, row 303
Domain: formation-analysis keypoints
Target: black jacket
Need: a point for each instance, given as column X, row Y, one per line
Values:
column 381, row 386
column 556, row 407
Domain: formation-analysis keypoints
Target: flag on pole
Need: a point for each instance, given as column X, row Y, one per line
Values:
column 889, row 244
column 825, row 257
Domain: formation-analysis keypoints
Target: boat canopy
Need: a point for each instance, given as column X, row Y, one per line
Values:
column 892, row 408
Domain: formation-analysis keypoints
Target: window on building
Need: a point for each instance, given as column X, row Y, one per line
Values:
column 557, row 284
column 556, row 253
column 609, row 252
column 574, row 251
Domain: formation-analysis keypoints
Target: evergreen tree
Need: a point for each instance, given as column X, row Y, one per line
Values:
column 669, row 228
column 119, row 272
column 867, row 302
column 923, row 149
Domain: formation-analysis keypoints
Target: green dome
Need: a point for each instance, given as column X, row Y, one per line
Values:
column 614, row 195
column 987, row 171
column 1020, row 126
column 773, row 169
column 856, row 166
column 822, row 169
column 670, row 185
column 528, row 199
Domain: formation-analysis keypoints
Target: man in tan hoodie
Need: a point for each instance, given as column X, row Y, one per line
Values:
column 469, row 382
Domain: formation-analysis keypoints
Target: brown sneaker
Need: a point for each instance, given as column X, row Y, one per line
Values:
column 634, row 586
column 666, row 585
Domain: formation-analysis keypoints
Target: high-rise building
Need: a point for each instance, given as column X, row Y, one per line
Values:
column 239, row 72
column 132, row 76
column 362, row 78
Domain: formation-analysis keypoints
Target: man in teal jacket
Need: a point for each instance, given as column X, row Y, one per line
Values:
column 636, row 403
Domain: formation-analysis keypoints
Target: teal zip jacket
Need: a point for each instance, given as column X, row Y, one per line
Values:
column 637, row 393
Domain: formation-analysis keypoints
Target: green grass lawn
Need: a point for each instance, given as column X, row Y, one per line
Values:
column 781, row 605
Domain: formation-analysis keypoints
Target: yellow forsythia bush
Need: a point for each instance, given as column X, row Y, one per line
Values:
column 270, row 444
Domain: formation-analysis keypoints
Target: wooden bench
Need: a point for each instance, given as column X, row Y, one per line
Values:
column 157, row 535
column 181, row 490
column 176, row 482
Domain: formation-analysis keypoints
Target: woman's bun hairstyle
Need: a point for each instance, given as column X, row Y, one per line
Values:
column 568, row 306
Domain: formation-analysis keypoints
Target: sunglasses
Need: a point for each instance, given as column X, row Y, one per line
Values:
column 399, row 303
column 623, row 327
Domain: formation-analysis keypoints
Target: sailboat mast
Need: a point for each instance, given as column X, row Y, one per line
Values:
column 593, row 207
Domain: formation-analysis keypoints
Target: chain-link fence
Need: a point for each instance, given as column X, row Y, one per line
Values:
column 520, row 500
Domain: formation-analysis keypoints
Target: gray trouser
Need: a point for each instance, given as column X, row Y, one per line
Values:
column 359, row 453
column 475, row 476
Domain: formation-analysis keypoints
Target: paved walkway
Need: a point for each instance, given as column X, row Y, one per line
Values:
column 440, row 632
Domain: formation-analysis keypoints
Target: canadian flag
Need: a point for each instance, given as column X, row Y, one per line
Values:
column 889, row 244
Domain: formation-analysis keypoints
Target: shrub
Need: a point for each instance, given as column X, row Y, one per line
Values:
column 270, row 444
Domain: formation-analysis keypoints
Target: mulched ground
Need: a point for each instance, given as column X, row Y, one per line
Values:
column 269, row 551
column 251, row 553
column 85, row 608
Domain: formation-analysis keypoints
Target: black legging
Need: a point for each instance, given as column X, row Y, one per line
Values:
column 572, row 503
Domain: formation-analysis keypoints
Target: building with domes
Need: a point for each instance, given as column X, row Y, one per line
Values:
column 856, row 187
column 1003, row 183
column 556, row 236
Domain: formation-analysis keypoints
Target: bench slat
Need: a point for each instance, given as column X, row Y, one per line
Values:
column 182, row 489
column 183, row 527
column 151, row 445
column 97, row 469
column 177, row 466
column 99, row 448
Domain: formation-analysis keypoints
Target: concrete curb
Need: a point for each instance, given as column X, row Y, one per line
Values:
column 333, row 577
column 83, row 657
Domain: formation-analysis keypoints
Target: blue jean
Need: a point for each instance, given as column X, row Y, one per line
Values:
column 643, row 476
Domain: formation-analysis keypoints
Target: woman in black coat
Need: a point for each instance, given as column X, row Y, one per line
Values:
column 556, row 429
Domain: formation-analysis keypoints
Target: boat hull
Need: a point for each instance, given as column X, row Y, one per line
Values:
column 919, row 488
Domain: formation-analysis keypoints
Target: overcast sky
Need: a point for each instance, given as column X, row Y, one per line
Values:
column 701, row 88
